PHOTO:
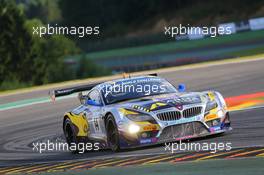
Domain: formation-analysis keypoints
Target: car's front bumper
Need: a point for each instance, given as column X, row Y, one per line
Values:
column 177, row 132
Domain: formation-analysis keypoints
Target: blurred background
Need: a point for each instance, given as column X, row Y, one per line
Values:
column 131, row 37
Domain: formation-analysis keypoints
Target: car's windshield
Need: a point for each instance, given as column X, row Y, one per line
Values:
column 135, row 88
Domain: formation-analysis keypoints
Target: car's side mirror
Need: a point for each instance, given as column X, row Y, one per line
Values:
column 93, row 103
column 181, row 87
column 81, row 98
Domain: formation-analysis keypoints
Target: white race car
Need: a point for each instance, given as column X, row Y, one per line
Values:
column 149, row 111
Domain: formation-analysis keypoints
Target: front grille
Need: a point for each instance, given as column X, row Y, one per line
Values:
column 187, row 113
column 182, row 130
column 176, row 115
column 168, row 116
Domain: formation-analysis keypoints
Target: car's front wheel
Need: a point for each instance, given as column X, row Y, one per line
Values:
column 112, row 133
column 70, row 136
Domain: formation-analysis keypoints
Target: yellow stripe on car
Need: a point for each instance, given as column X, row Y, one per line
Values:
column 81, row 123
column 156, row 105
column 211, row 96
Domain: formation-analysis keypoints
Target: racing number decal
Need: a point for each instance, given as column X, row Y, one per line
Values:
column 96, row 124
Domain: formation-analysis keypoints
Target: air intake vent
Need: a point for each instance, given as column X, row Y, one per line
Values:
column 168, row 116
column 176, row 115
column 187, row 113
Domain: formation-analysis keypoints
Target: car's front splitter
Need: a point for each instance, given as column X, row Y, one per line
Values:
column 141, row 142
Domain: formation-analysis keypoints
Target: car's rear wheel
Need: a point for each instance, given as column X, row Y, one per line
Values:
column 112, row 133
column 70, row 136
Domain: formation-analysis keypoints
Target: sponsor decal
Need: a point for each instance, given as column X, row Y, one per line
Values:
column 154, row 139
column 184, row 138
column 144, row 141
column 167, row 103
column 183, row 120
column 184, row 100
column 215, row 128
column 96, row 124
column 150, row 127
column 179, row 107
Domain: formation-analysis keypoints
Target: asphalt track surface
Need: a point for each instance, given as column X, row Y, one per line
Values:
column 20, row 127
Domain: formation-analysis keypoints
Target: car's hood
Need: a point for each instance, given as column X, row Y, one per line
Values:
column 153, row 103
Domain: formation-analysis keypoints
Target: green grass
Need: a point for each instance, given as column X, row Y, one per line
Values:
column 10, row 85
column 248, row 52
column 177, row 45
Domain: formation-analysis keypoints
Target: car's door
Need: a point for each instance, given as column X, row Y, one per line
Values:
column 94, row 115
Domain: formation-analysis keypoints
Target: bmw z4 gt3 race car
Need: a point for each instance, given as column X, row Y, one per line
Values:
column 139, row 111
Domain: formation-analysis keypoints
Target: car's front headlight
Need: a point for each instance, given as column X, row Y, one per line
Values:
column 210, row 105
column 132, row 128
column 139, row 117
column 221, row 113
column 136, row 116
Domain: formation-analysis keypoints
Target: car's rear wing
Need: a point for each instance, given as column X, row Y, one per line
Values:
column 68, row 91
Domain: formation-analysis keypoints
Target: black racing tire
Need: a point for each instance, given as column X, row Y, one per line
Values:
column 112, row 133
column 228, row 119
column 70, row 135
